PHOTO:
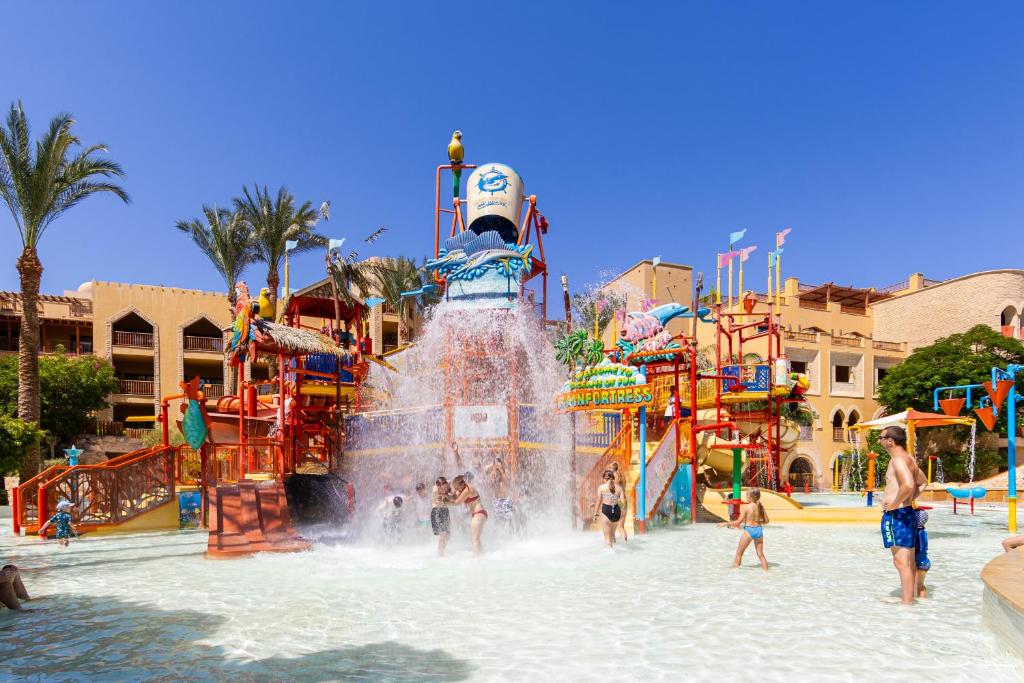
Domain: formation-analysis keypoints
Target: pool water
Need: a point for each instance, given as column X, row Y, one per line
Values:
column 664, row 607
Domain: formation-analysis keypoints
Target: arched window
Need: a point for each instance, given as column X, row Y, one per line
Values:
column 837, row 426
column 801, row 472
column 853, row 419
column 1008, row 321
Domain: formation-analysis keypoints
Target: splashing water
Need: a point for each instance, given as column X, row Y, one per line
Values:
column 485, row 380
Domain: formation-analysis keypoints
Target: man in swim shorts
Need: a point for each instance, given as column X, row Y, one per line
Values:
column 899, row 519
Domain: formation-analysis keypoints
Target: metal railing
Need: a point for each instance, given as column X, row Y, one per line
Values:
column 801, row 336
column 388, row 309
column 136, row 387
column 898, row 287
column 838, row 433
column 211, row 344
column 138, row 340
column 619, row 451
column 887, row 346
column 846, row 341
column 213, row 390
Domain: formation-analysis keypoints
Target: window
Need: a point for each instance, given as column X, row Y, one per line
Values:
column 882, row 372
column 843, row 373
column 799, row 366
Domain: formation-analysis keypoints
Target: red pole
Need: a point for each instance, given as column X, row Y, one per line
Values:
column 203, row 495
column 16, row 508
column 693, row 433
column 163, row 419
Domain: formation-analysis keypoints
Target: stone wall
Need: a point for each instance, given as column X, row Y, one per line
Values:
column 953, row 306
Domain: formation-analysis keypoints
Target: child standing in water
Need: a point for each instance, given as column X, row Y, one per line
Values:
column 608, row 506
column 440, row 518
column 62, row 520
column 392, row 518
column 921, row 553
column 620, row 482
column 751, row 519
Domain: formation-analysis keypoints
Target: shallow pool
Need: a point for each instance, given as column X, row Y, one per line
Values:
column 664, row 607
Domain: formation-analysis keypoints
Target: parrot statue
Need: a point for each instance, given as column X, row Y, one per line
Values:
column 266, row 311
column 242, row 331
column 456, row 154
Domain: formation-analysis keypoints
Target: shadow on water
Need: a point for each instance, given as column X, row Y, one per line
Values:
column 70, row 637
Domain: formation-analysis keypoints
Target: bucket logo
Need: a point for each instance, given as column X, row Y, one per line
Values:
column 492, row 181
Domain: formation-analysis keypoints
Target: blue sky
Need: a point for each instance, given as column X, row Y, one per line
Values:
column 887, row 135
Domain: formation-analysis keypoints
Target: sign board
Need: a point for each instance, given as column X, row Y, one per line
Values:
column 480, row 422
column 615, row 398
column 748, row 377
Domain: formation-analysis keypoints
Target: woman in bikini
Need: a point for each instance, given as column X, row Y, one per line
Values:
column 751, row 519
column 464, row 493
column 620, row 483
column 608, row 506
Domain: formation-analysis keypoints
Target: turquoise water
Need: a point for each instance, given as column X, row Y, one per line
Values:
column 664, row 607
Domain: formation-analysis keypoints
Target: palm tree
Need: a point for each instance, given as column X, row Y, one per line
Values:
column 38, row 184
column 394, row 276
column 226, row 240
column 273, row 222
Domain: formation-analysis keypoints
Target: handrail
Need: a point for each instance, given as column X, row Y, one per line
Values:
column 140, row 340
column 200, row 343
column 619, row 451
column 668, row 439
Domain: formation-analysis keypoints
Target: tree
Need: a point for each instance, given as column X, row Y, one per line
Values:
column 601, row 303
column 394, row 276
column 965, row 358
column 38, row 185
column 273, row 222
column 226, row 240
column 72, row 388
column 17, row 438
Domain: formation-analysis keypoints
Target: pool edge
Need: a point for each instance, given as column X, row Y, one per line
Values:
column 1003, row 600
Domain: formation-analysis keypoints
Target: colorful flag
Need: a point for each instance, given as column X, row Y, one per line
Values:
column 745, row 253
column 735, row 237
column 725, row 259
column 655, row 262
column 780, row 237
column 290, row 244
column 373, row 301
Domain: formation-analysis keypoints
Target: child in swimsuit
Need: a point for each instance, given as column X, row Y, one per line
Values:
column 921, row 553
column 478, row 515
column 392, row 514
column 62, row 520
column 440, row 519
column 752, row 519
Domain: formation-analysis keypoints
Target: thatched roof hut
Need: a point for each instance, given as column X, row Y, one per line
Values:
column 274, row 338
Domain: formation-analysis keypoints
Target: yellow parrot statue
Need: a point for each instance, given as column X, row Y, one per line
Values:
column 266, row 308
column 456, row 154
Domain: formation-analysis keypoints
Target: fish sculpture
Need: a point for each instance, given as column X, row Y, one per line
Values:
column 194, row 421
column 507, row 260
column 645, row 331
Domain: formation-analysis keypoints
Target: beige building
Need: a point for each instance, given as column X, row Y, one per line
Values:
column 154, row 337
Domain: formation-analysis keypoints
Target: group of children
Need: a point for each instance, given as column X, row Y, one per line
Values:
column 433, row 510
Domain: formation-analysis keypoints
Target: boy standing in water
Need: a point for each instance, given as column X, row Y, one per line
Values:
column 921, row 559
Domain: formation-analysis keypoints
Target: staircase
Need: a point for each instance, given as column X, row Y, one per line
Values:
column 105, row 496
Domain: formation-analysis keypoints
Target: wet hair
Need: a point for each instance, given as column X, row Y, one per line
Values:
column 897, row 434
column 421, row 486
column 440, row 481
column 614, row 466
column 609, row 477
column 755, row 498
column 397, row 500
column 468, row 476
column 459, row 482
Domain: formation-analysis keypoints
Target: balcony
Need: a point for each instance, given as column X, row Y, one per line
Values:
column 134, row 340
column 838, row 434
column 806, row 433
column 213, row 390
column 887, row 346
column 203, row 344
column 814, row 305
column 846, row 341
column 811, row 337
column 388, row 309
column 136, row 387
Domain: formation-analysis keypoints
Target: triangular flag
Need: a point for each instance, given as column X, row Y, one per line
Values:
column 780, row 237
column 373, row 301
column 290, row 244
column 745, row 253
column 735, row 237
column 335, row 244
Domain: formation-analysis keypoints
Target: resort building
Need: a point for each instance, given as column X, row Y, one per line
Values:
column 154, row 337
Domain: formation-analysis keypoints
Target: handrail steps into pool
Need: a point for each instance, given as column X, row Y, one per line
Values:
column 618, row 451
